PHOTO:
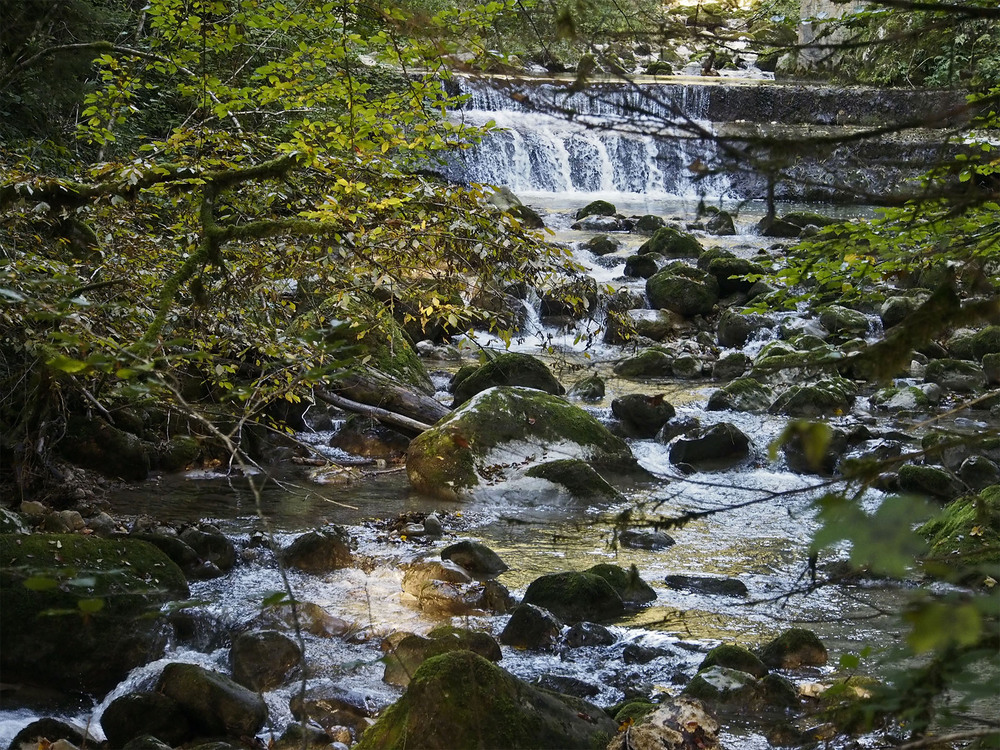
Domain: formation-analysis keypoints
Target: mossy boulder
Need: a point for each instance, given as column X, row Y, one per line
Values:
column 95, row 444
column 672, row 243
column 794, row 648
column 738, row 691
column 649, row 363
column 573, row 596
column 731, row 273
column 907, row 398
column 597, row 208
column 461, row 700
column 641, row 266
column 932, row 481
column 742, row 394
column 215, row 705
column 110, row 592
column 826, row 398
column 843, row 320
column 486, row 440
column 573, row 297
column 531, row 627
column 736, row 328
column 684, row 290
column 736, row 657
column 403, row 661
column 602, row 244
column 950, row 532
column 590, row 388
column 681, row 724
column 649, row 223
column 577, row 477
column 720, row 224
column 511, row 368
column 956, row 375
column 986, row 341
column 626, row 583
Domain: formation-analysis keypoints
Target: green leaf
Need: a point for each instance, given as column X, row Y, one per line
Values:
column 90, row 606
column 40, row 583
column 67, row 364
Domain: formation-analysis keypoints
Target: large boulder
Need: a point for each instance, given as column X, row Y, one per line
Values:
column 442, row 586
column 461, row 700
column 740, row 692
column 486, row 441
column 95, row 444
column 742, row 394
column 109, row 594
column 649, row 363
column 672, row 243
column 626, row 583
column 508, row 369
column 716, row 446
column 137, row 714
column 684, row 290
column 643, row 415
column 214, row 704
column 826, row 398
column 404, row 660
column 731, row 656
column 572, row 596
column 843, row 320
column 794, row 648
column 732, row 273
column 319, row 551
column 736, row 328
column 261, row 660
column 596, row 208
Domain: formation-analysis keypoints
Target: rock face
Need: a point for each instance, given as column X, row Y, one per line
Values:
column 485, row 442
column 508, row 369
column 213, row 703
column 460, row 700
column 112, row 590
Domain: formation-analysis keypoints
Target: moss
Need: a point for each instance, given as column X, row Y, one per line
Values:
column 742, row 394
column 735, row 657
column 597, row 208
column 413, row 650
column 633, row 710
column 967, row 529
column 794, row 648
column 573, row 596
column 986, row 341
column 626, row 583
column 508, row 369
column 460, row 700
column 670, row 289
column 652, row 362
column 672, row 243
column 435, row 460
column 577, row 476
column 928, row 480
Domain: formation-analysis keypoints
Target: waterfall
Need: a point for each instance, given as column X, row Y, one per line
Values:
column 608, row 139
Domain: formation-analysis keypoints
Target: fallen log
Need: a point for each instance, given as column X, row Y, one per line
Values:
column 382, row 415
column 373, row 388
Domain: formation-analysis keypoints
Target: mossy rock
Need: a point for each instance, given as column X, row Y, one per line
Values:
column 578, row 477
column 215, row 705
column 714, row 447
column 736, row 327
column 641, row 266
column 826, row 398
column 731, row 274
column 590, row 388
column 403, row 661
column 531, row 627
column 682, row 723
column 649, row 363
column 626, row 583
column 461, row 700
column 659, row 68
column 527, row 216
column 796, row 647
column 633, row 711
column 110, row 592
column 672, row 243
column 649, row 223
column 95, row 444
column 510, row 368
column 573, row 596
column 986, row 341
column 597, row 208
column 957, row 375
column 721, row 224
column 641, row 414
column 950, row 532
column 736, row 657
column 484, row 436
column 177, row 453
column 687, row 292
column 742, row 394
column 931, row 481
column 843, row 320
column 602, row 244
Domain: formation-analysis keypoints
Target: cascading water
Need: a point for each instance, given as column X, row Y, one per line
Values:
column 611, row 139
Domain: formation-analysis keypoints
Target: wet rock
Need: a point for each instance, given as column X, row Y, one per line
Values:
column 527, row 216
column 907, row 398
column 642, row 415
column 929, row 480
column 441, row 587
column 991, row 368
column 124, row 585
column 731, row 656
column 602, row 244
column 601, row 224
column 311, row 617
column 736, row 328
column 796, row 647
column 319, row 551
column 136, row 714
column 684, row 290
column 474, row 557
column 572, row 596
column 687, row 367
column 682, row 724
column 950, row 533
column 565, row 685
column 739, row 691
column 637, row 653
column 720, row 224
column 672, row 243
column 145, row 742
column 656, row 325
column 651, row 540
column 716, row 446
column 641, row 266
column 588, row 389
column 626, row 583
column 531, row 627
column 214, row 704
column 262, row 660
column 296, row 737
column 731, row 274
column 172, row 546
column 803, row 461
column 573, row 298
column 97, row 445
column 826, row 398
column 414, row 650
column 508, row 369
column 677, row 426
column 742, row 394
column 649, row 363
column 956, row 375
column 211, row 545
column 707, row 585
column 495, row 598
column 333, row 706
column 986, row 341
column 486, row 707
column 596, row 208
column 844, row 321
column 588, row 634
column 577, row 477
column 649, row 223
column 12, row 523
column 896, row 309
column 363, row 436
column 480, row 449
column 42, row 731
column 978, row 473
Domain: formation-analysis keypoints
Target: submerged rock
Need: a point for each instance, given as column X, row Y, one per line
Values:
column 707, row 585
column 483, row 446
column 459, row 700
column 651, row 540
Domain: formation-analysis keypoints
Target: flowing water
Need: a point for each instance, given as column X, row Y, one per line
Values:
column 556, row 166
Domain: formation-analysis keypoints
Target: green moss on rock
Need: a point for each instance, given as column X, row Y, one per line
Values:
column 967, row 530
column 796, row 647
column 572, row 596
column 460, row 700
column 511, row 368
column 626, row 583
column 672, row 243
column 578, row 477
column 735, row 657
